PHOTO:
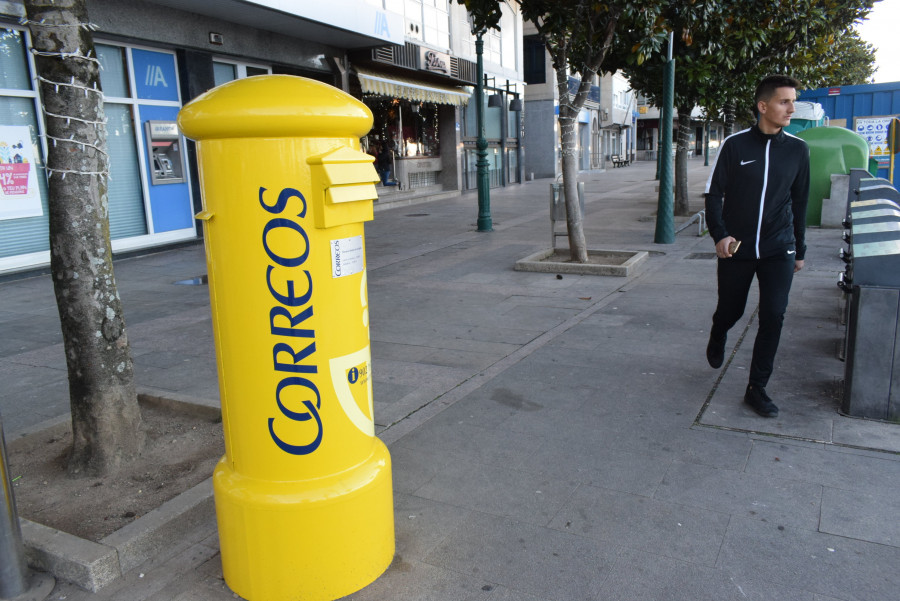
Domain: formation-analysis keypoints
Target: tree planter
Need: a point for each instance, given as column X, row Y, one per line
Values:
column 622, row 263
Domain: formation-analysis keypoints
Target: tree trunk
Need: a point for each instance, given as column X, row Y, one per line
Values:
column 574, row 218
column 106, row 419
column 568, row 113
column 682, row 149
column 728, row 111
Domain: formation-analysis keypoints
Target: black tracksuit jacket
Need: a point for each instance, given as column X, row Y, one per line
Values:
column 757, row 192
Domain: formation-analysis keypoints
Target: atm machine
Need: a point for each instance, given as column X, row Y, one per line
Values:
column 164, row 145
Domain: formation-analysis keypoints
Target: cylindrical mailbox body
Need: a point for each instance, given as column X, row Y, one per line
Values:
column 303, row 494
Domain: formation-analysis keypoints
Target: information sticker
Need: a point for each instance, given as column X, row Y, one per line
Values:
column 347, row 256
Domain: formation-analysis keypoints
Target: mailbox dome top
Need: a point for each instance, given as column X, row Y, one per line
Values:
column 274, row 106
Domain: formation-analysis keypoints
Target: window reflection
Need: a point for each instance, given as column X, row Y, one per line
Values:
column 409, row 128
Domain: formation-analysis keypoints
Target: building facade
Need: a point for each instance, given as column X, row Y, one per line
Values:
column 410, row 61
column 647, row 132
column 605, row 123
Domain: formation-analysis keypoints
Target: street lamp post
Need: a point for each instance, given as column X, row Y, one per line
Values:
column 483, row 176
column 665, row 221
column 16, row 580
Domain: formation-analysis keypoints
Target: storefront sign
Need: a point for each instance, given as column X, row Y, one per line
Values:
column 436, row 62
column 19, row 193
column 154, row 75
column 875, row 132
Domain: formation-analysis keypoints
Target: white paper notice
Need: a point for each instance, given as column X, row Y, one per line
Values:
column 346, row 256
column 19, row 193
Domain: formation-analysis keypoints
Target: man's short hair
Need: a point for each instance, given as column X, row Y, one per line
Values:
column 767, row 86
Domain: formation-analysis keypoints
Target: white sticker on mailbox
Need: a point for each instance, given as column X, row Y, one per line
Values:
column 346, row 256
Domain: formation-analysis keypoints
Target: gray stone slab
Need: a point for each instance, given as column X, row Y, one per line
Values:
column 517, row 494
column 471, row 442
column 410, row 580
column 19, row 378
column 52, row 356
column 820, row 563
column 503, row 593
column 842, row 470
column 599, row 466
column 412, row 468
column 867, row 434
column 421, row 524
column 641, row 575
column 540, row 561
column 797, row 417
column 196, row 376
column 643, row 523
column 715, row 448
column 755, row 496
column 458, row 358
column 869, row 515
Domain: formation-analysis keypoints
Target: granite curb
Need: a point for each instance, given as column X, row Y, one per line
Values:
column 94, row 565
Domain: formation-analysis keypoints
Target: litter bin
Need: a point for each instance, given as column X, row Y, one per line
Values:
column 872, row 282
column 303, row 494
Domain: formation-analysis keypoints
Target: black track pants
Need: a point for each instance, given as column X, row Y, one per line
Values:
column 774, row 275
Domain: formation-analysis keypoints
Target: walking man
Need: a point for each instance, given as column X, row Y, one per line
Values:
column 756, row 210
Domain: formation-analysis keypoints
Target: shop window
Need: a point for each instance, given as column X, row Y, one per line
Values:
column 492, row 118
column 126, row 202
column 113, row 71
column 410, row 128
column 512, row 123
column 23, row 215
column 14, row 75
column 225, row 71
column 512, row 156
column 534, row 59
column 25, row 234
column 495, row 168
column 127, row 214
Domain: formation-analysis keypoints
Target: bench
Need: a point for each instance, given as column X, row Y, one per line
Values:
column 619, row 161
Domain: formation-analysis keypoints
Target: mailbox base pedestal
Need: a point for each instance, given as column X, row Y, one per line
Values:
column 318, row 539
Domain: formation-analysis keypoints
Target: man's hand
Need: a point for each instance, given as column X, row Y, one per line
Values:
column 798, row 265
column 722, row 247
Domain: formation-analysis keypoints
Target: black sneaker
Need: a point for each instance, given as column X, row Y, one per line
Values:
column 757, row 398
column 715, row 351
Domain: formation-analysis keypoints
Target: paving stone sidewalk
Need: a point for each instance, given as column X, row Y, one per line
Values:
column 553, row 438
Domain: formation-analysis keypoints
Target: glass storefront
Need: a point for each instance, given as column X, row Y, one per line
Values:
column 20, row 235
column 225, row 71
column 127, row 216
column 501, row 129
column 411, row 129
column 139, row 85
column 495, row 167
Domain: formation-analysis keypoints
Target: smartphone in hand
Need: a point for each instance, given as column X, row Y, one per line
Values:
column 734, row 246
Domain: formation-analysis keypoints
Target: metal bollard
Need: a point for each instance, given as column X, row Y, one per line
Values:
column 303, row 495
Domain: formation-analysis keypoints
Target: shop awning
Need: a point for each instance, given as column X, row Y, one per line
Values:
column 398, row 87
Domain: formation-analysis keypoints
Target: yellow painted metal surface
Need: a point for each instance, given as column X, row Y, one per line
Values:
column 303, row 494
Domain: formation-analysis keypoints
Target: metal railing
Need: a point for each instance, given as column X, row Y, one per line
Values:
column 700, row 218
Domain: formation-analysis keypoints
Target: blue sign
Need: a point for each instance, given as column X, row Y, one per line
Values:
column 155, row 75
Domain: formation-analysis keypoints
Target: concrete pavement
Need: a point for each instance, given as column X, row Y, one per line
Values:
column 553, row 439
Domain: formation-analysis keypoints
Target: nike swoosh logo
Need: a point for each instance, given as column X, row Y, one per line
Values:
column 748, row 162
column 792, row 252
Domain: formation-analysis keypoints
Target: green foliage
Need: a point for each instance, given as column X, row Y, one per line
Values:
column 483, row 14
column 723, row 47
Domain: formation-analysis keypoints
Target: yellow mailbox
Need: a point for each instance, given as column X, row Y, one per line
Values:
column 303, row 494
